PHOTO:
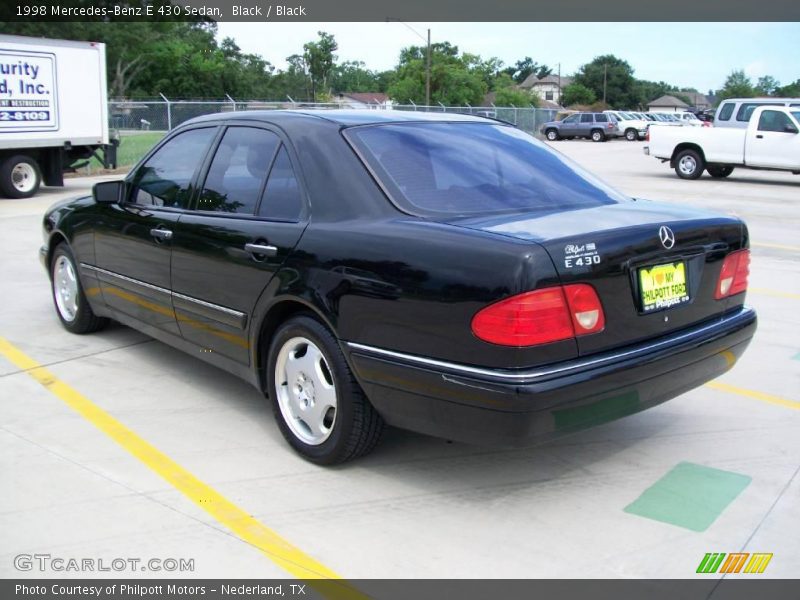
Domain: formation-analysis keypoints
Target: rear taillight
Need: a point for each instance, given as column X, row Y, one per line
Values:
column 540, row 317
column 584, row 308
column 733, row 275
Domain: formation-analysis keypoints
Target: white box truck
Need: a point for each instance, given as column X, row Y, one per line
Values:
column 53, row 111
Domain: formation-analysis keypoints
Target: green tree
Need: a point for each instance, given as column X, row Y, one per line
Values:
column 455, row 79
column 767, row 85
column 737, row 85
column 523, row 68
column 577, row 93
column 508, row 94
column 320, row 58
column 353, row 76
column 613, row 75
column 789, row 91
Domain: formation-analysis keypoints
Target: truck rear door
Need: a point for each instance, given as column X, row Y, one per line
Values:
column 773, row 140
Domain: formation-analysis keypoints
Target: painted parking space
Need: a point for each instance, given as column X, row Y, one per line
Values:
column 418, row 507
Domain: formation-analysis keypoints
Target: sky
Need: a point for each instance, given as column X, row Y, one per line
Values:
column 698, row 55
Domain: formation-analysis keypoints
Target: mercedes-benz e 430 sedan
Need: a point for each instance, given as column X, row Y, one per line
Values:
column 445, row 274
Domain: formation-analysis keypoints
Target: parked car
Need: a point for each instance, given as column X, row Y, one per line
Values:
column 688, row 118
column 441, row 273
column 771, row 141
column 596, row 126
column 736, row 112
column 632, row 127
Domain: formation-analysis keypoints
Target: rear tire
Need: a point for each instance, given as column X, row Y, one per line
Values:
column 19, row 177
column 319, row 406
column 72, row 308
column 689, row 164
column 552, row 135
column 598, row 136
column 719, row 172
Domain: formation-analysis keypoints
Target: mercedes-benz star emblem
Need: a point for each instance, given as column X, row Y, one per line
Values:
column 666, row 236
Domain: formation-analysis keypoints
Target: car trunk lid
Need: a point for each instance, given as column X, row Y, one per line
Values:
column 654, row 266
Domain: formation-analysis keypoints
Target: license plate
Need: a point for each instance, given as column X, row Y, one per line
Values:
column 663, row 286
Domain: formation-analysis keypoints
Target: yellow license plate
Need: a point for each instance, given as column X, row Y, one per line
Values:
column 663, row 286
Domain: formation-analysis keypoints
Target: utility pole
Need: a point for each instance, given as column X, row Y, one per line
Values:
column 605, row 79
column 428, row 72
column 427, row 57
column 559, row 85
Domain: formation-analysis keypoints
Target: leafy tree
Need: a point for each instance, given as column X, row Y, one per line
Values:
column 620, row 85
column 737, row 85
column 455, row 79
column 523, row 68
column 508, row 94
column 789, row 91
column 353, row 76
column 320, row 58
column 767, row 85
column 577, row 93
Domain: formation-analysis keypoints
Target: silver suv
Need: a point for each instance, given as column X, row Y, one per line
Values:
column 596, row 126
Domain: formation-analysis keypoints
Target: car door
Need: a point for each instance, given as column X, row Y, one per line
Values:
column 133, row 238
column 775, row 143
column 569, row 126
column 586, row 124
column 247, row 218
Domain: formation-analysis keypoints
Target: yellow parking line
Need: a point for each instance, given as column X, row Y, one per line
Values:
column 279, row 550
column 726, row 387
column 776, row 293
column 777, row 246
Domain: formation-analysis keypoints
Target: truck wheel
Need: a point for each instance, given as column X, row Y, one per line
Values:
column 552, row 135
column 718, row 171
column 598, row 136
column 320, row 408
column 631, row 135
column 19, row 177
column 689, row 164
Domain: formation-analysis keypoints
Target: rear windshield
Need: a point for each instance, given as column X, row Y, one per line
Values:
column 474, row 168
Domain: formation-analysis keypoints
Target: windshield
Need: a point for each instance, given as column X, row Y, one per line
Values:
column 465, row 169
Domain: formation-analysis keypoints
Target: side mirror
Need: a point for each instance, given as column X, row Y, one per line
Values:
column 108, row 192
column 789, row 128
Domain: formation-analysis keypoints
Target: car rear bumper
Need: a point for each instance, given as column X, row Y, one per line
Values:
column 515, row 408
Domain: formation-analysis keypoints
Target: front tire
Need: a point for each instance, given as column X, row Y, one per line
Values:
column 19, row 177
column 598, row 136
column 72, row 308
column 631, row 135
column 719, row 172
column 319, row 406
column 552, row 135
column 689, row 164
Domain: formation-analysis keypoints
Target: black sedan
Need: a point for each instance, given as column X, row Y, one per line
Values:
column 445, row 274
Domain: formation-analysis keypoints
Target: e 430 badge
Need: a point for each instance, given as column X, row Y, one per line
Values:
column 581, row 255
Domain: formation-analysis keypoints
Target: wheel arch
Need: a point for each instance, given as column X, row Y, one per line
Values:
column 277, row 313
column 56, row 238
column 686, row 146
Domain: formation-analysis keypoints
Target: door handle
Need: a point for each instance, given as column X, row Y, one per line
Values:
column 261, row 250
column 161, row 235
column 760, row 137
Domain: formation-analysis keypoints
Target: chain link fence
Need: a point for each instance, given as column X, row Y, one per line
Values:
column 159, row 114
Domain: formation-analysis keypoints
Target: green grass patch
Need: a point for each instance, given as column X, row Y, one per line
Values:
column 132, row 147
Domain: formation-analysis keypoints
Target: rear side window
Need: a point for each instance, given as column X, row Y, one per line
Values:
column 746, row 109
column 587, row 118
column 165, row 178
column 474, row 168
column 725, row 112
column 237, row 172
column 601, row 118
column 282, row 200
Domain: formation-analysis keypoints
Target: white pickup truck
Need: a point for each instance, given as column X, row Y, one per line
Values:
column 771, row 141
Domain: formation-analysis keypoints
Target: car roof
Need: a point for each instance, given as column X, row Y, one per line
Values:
column 342, row 117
